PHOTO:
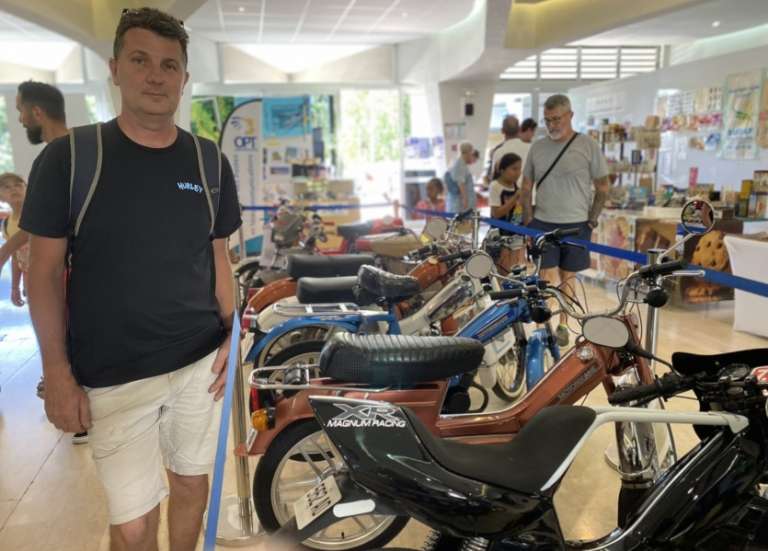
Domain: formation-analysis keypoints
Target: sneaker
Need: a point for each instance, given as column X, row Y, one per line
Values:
column 80, row 438
column 41, row 389
column 563, row 335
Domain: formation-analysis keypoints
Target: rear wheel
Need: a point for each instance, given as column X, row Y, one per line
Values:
column 294, row 463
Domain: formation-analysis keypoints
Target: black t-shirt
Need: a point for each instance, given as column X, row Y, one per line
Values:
column 141, row 297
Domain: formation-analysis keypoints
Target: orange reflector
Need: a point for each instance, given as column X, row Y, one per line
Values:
column 260, row 419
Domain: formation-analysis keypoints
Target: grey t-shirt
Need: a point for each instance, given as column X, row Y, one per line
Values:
column 565, row 197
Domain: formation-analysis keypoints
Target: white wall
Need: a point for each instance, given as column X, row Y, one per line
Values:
column 23, row 152
column 632, row 99
column 719, row 45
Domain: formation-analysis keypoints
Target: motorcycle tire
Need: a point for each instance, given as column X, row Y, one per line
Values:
column 518, row 384
column 264, row 477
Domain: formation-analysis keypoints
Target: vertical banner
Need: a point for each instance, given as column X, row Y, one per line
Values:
column 741, row 114
column 242, row 144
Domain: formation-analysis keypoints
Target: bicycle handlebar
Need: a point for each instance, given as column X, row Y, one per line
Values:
column 455, row 256
column 664, row 268
column 664, row 387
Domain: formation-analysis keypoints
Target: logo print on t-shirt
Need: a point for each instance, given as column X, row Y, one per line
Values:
column 189, row 186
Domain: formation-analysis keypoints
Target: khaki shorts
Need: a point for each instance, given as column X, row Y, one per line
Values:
column 169, row 420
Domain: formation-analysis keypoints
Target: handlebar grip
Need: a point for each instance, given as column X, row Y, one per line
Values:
column 455, row 256
column 666, row 386
column 664, row 268
column 427, row 249
column 506, row 294
column 462, row 215
column 565, row 232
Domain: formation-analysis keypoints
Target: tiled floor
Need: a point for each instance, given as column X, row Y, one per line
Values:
column 50, row 499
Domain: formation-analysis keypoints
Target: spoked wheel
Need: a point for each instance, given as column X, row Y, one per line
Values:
column 288, row 340
column 302, row 353
column 510, row 371
column 295, row 462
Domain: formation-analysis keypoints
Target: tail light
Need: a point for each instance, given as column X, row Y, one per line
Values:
column 254, row 400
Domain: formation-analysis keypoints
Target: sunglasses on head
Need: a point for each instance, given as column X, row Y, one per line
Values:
column 136, row 11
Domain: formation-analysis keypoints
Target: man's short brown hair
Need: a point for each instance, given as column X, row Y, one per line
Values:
column 10, row 178
column 153, row 20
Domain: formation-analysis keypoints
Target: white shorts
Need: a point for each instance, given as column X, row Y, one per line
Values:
column 138, row 428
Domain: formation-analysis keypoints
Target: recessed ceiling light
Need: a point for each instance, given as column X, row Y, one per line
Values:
column 715, row 24
column 404, row 14
column 241, row 9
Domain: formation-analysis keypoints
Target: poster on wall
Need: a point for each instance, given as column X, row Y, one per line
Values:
column 762, row 128
column 241, row 142
column 740, row 116
column 285, row 117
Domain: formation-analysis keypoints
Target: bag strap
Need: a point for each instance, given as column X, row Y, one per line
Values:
column 557, row 159
column 86, row 155
column 209, row 164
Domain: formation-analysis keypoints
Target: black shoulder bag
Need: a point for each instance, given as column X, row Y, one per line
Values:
column 557, row 159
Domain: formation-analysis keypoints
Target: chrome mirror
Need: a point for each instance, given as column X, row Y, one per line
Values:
column 435, row 228
column 698, row 217
column 606, row 331
column 479, row 265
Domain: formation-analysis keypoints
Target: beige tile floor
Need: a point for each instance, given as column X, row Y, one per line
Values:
column 50, row 499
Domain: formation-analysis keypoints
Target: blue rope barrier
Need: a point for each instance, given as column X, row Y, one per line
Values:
column 214, row 501
column 318, row 207
column 720, row 278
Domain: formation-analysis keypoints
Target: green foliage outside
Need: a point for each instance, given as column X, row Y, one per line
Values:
column 6, row 153
column 370, row 126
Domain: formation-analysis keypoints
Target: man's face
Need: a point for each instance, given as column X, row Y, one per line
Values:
column 150, row 72
column 558, row 121
column 29, row 118
column 527, row 135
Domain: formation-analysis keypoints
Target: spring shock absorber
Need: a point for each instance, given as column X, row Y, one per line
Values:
column 475, row 544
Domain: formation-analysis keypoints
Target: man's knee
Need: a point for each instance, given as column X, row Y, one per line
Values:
column 187, row 485
column 137, row 533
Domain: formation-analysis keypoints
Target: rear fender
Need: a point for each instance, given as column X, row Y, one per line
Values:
column 272, row 292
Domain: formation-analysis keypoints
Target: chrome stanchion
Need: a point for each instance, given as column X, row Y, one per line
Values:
column 241, row 249
column 665, row 444
column 238, row 525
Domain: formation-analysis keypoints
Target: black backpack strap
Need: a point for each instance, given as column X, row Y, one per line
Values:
column 86, row 155
column 209, row 163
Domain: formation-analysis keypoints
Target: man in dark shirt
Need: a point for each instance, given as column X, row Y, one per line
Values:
column 135, row 351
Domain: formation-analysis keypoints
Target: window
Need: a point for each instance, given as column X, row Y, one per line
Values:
column 6, row 153
column 585, row 63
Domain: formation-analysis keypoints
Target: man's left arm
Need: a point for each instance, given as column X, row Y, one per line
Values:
column 225, row 296
column 602, row 187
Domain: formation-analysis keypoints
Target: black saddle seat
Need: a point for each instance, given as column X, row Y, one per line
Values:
column 527, row 462
column 689, row 364
column 318, row 265
column 323, row 290
column 396, row 360
column 379, row 284
column 351, row 232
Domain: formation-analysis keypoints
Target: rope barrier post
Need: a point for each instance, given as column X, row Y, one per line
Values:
column 396, row 208
column 241, row 250
column 237, row 524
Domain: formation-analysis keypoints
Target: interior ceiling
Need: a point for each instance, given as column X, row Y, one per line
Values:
column 14, row 29
column 687, row 24
column 325, row 21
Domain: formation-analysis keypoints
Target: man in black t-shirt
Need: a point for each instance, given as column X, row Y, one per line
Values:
column 136, row 349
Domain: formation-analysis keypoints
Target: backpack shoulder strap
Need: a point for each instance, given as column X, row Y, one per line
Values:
column 86, row 155
column 209, row 164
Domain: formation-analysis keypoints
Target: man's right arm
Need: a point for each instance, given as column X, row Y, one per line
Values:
column 66, row 404
column 527, row 200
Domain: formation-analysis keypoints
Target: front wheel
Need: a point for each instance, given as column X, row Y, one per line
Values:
column 293, row 464
column 510, row 371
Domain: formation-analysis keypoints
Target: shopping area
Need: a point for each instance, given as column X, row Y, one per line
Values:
column 467, row 275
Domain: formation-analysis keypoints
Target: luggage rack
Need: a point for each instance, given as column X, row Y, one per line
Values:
column 299, row 310
column 262, row 383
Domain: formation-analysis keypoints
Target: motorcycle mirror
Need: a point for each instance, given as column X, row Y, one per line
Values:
column 698, row 217
column 606, row 331
column 435, row 228
column 479, row 265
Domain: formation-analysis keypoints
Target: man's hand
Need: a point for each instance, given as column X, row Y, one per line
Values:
column 16, row 297
column 66, row 403
column 220, row 368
